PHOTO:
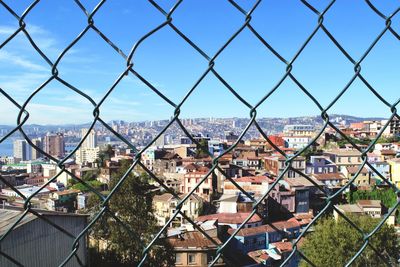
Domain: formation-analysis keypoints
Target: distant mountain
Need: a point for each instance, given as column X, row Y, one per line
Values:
column 291, row 120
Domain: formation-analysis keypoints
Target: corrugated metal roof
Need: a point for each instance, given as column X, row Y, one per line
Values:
column 9, row 217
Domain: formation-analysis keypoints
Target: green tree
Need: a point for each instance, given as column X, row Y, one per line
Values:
column 335, row 243
column 132, row 204
column 202, row 149
column 105, row 154
column 388, row 197
column 94, row 183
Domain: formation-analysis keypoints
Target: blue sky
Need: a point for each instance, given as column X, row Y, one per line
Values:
column 172, row 66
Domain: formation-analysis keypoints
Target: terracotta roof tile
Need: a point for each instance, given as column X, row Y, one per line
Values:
column 230, row 218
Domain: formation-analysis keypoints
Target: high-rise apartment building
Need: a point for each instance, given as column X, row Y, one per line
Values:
column 89, row 151
column 54, row 145
column 20, row 149
column 91, row 140
column 35, row 153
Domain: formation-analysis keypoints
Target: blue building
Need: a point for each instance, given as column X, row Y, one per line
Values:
column 383, row 168
column 320, row 164
column 260, row 237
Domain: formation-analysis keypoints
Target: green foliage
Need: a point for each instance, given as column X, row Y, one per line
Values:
column 105, row 154
column 310, row 151
column 90, row 175
column 132, row 204
column 94, row 183
column 335, row 243
column 391, row 139
column 387, row 196
column 343, row 142
column 202, row 149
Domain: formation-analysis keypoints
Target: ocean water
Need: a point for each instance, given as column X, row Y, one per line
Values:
column 6, row 147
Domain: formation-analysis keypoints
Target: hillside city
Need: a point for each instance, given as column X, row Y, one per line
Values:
column 217, row 206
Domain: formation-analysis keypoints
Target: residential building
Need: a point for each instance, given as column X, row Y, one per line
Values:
column 394, row 127
column 257, row 185
column 330, row 180
column 373, row 208
column 165, row 161
column 344, row 158
column 260, row 237
column 63, row 200
column 292, row 195
column 82, row 200
column 91, row 139
column 233, row 220
column 194, row 249
column 54, row 145
column 275, row 165
column 165, row 206
column 21, row 150
column 7, row 160
column 297, row 142
column 275, row 255
column 395, row 171
column 86, row 155
column 36, row 153
column 383, row 168
column 241, row 203
column 363, row 178
column 320, row 164
column 299, row 130
column 193, row 177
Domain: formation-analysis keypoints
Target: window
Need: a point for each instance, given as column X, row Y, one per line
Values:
column 210, row 258
column 191, row 258
column 178, row 258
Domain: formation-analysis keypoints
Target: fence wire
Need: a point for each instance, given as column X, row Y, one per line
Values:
column 56, row 76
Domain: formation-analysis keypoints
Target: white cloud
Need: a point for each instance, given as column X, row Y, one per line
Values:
column 7, row 30
column 20, row 61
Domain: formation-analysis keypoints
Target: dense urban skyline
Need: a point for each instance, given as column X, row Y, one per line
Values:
column 246, row 64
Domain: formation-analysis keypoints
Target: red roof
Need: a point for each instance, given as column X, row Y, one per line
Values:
column 283, row 246
column 329, row 176
column 267, row 228
column 230, row 218
column 193, row 239
column 254, row 179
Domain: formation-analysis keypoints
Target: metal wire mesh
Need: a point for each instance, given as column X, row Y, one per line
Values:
column 56, row 76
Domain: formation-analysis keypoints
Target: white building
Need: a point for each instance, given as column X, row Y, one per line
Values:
column 87, row 155
column 91, row 139
column 297, row 142
column 165, row 206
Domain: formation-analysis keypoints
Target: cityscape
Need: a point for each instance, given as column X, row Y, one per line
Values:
column 184, row 133
column 217, row 205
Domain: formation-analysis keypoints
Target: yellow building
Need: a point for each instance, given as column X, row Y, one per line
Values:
column 395, row 170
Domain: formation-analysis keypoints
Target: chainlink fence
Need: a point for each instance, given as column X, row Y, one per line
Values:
column 55, row 75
